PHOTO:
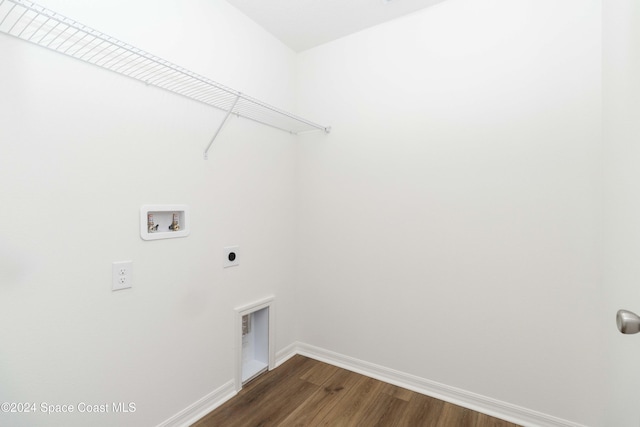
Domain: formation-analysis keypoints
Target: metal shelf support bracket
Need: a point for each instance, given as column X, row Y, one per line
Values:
column 35, row 24
column 226, row 117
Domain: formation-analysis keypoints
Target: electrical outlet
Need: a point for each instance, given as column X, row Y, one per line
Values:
column 121, row 274
column 231, row 256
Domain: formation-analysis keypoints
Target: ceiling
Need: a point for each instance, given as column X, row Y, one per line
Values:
column 303, row 24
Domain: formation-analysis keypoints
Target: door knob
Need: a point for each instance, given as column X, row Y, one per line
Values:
column 628, row 322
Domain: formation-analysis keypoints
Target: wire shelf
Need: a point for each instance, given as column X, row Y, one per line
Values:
column 36, row 24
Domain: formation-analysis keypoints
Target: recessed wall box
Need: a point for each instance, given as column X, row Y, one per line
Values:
column 164, row 221
column 255, row 350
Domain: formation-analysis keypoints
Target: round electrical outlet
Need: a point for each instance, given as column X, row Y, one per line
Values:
column 231, row 256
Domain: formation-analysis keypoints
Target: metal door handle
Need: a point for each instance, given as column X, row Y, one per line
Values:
column 628, row 322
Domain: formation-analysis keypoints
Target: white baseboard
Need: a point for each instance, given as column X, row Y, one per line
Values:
column 202, row 407
column 287, row 353
column 211, row 401
column 486, row 405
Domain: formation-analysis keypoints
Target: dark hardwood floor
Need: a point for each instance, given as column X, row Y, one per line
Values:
column 304, row 392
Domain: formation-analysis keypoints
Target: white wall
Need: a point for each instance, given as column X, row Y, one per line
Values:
column 448, row 228
column 81, row 149
column 622, row 207
column 450, row 225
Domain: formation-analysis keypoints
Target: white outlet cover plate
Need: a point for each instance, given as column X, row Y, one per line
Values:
column 228, row 250
column 121, row 275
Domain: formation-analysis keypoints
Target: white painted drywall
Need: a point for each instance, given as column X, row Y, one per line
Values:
column 621, row 60
column 450, row 225
column 81, row 149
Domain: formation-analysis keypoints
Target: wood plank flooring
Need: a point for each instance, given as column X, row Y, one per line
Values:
column 304, row 392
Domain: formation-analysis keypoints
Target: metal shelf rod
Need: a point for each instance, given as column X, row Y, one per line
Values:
column 206, row 151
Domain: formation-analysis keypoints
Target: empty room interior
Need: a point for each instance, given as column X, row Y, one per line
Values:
column 443, row 195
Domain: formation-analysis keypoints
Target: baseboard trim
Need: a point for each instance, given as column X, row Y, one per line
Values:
column 211, row 401
column 202, row 407
column 287, row 353
column 486, row 405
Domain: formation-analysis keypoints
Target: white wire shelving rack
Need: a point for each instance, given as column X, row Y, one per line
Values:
column 33, row 23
